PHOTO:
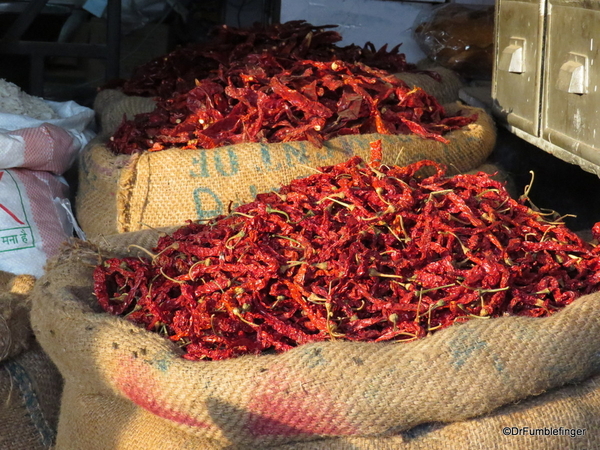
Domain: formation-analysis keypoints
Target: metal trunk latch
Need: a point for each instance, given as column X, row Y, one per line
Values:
column 573, row 75
column 513, row 56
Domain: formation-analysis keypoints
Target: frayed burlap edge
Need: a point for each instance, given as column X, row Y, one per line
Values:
column 98, row 187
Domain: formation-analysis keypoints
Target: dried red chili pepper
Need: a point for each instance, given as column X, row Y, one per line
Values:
column 356, row 252
column 268, row 99
column 177, row 71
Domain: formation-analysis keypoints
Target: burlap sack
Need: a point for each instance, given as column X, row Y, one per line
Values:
column 15, row 330
column 127, row 388
column 112, row 106
column 5, row 279
column 30, row 391
column 30, row 384
column 572, row 412
column 118, row 194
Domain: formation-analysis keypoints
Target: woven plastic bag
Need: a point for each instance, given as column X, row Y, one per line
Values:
column 35, row 214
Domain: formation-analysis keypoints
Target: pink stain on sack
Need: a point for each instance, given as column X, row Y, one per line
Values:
column 285, row 405
column 140, row 383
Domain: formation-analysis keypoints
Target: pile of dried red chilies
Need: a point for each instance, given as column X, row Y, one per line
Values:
column 177, row 71
column 267, row 99
column 354, row 252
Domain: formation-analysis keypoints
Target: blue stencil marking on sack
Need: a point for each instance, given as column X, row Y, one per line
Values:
column 296, row 155
column 234, row 167
column 200, row 165
column 204, row 196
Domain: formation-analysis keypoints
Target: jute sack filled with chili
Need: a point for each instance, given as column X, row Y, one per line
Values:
column 178, row 70
column 463, row 260
column 221, row 143
column 127, row 388
column 111, row 104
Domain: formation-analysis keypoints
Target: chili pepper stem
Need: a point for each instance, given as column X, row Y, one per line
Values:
column 461, row 306
column 212, row 325
column 362, row 305
column 378, row 191
column 374, row 273
column 394, row 234
column 394, row 319
column 160, row 233
column 288, row 239
column 339, row 202
column 559, row 221
column 406, row 333
column 480, row 194
column 314, row 298
column 313, row 169
column 136, row 308
column 239, row 235
column 543, row 238
column 439, row 304
column 148, row 252
column 236, row 312
column 443, row 191
column 169, row 278
column 529, row 186
column 331, row 326
column 174, row 245
column 278, row 211
column 464, row 248
column 418, row 315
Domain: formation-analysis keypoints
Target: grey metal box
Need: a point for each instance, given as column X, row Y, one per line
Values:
column 517, row 73
column 572, row 74
column 546, row 77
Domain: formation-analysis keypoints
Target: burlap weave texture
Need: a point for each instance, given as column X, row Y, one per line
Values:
column 125, row 384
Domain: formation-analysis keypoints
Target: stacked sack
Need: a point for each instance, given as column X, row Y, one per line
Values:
column 129, row 192
column 39, row 141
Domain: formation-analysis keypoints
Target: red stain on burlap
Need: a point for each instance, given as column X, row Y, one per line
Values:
column 285, row 405
column 140, row 383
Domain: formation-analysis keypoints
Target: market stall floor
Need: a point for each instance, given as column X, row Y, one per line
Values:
column 557, row 185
